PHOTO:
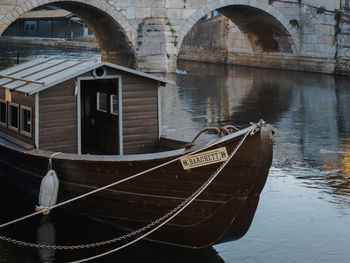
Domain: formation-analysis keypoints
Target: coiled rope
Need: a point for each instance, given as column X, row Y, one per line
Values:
column 155, row 224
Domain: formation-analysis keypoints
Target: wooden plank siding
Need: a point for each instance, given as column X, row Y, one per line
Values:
column 24, row 100
column 58, row 118
column 58, row 115
column 140, row 114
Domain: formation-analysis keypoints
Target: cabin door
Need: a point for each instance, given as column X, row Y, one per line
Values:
column 99, row 116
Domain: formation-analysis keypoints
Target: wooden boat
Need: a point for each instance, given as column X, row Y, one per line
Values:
column 97, row 143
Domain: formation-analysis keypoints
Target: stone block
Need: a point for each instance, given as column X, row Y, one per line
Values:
column 149, row 41
column 315, row 48
column 345, row 28
column 40, row 2
column 253, row 2
column 323, row 29
column 15, row 12
column 322, row 18
column 151, row 57
column 140, row 12
column 11, row 17
column 305, row 47
column 198, row 15
column 212, row 5
column 154, row 34
column 7, row 2
column 310, row 39
column 308, row 29
column 19, row 10
column 344, row 52
column 242, row 2
column 151, row 64
column 187, row 12
column 171, row 49
column 174, row 3
column 194, row 3
column 34, row 3
column 156, row 3
column 120, row 3
column 174, row 14
column 29, row 5
column 129, row 13
column 155, row 49
column 326, row 48
column 135, row 21
column 153, row 28
column 158, row 12
column 5, row 21
column 289, row 11
column 176, row 22
column 154, row 21
column 343, row 39
column 330, row 20
column 325, row 39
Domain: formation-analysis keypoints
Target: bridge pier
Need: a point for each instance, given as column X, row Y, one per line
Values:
column 156, row 46
column 148, row 34
column 342, row 28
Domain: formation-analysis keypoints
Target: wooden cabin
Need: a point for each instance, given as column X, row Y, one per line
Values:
column 82, row 107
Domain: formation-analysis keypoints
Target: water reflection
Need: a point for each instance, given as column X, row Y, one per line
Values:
column 63, row 228
column 9, row 53
column 304, row 212
column 46, row 234
column 309, row 110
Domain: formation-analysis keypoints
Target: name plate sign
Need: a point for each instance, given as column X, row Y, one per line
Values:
column 204, row 158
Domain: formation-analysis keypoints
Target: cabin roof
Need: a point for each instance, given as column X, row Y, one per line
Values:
column 42, row 73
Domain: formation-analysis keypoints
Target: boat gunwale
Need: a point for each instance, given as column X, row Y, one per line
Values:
column 128, row 158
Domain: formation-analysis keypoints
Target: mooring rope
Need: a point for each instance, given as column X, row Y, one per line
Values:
column 173, row 213
column 112, row 184
column 50, row 159
column 161, row 221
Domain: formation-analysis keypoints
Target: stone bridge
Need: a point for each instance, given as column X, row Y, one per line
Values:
column 148, row 34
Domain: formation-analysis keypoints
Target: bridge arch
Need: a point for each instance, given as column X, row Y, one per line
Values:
column 263, row 25
column 111, row 28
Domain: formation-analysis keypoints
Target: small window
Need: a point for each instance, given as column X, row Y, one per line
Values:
column 3, row 113
column 26, row 120
column 13, row 116
column 101, row 101
column 114, row 104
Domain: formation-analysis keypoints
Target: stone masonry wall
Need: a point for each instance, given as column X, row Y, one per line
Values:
column 153, row 30
column 342, row 29
column 317, row 49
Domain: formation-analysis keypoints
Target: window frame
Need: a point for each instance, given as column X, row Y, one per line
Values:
column 111, row 104
column 98, row 101
column 4, row 124
column 9, row 116
column 21, row 119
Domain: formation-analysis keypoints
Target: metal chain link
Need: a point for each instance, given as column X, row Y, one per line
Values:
column 189, row 199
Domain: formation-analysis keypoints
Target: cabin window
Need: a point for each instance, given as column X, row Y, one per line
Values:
column 13, row 116
column 114, row 104
column 101, row 101
column 3, row 113
column 26, row 120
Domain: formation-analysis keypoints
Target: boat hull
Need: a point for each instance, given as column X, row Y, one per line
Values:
column 223, row 212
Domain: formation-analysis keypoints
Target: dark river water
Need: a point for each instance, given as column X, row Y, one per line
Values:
column 304, row 210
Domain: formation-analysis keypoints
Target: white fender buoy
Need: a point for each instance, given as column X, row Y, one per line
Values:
column 46, row 234
column 48, row 191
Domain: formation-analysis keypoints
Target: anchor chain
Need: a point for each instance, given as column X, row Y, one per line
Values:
column 156, row 223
